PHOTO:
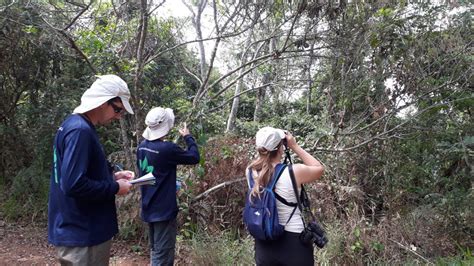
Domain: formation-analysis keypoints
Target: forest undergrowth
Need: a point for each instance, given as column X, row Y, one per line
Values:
column 212, row 232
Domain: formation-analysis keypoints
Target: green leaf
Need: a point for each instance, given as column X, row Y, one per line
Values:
column 186, row 233
column 30, row 29
column 374, row 41
column 357, row 232
column 468, row 140
column 200, row 171
column 384, row 12
column 377, row 246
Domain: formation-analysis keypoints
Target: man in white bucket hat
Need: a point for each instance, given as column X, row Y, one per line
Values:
column 82, row 216
column 160, row 157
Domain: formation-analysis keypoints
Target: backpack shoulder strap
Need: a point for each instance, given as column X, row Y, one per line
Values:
column 250, row 180
column 279, row 168
column 284, row 201
column 280, row 198
column 276, row 176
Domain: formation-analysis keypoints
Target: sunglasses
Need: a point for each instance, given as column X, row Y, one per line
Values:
column 116, row 108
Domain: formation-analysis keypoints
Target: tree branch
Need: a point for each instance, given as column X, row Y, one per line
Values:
column 214, row 188
column 237, row 95
column 77, row 16
column 394, row 111
column 153, row 10
column 192, row 74
column 412, row 251
column 239, row 77
column 72, row 43
column 380, row 135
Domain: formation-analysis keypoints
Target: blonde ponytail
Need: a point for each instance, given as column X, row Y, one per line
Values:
column 264, row 168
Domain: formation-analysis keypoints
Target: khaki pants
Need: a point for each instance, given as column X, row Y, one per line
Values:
column 84, row 256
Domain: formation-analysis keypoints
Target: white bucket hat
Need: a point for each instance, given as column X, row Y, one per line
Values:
column 269, row 138
column 159, row 121
column 103, row 89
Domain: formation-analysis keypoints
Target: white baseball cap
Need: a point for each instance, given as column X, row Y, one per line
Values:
column 159, row 121
column 269, row 138
column 106, row 87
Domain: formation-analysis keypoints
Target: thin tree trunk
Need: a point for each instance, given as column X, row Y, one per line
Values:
column 143, row 29
column 235, row 106
column 235, row 103
column 261, row 92
column 202, row 52
column 310, row 80
column 127, row 147
column 196, row 19
column 260, row 99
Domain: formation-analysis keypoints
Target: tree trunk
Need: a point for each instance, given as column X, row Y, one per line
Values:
column 196, row 19
column 127, row 147
column 235, row 103
column 202, row 52
column 266, row 79
column 235, row 106
column 260, row 99
column 143, row 29
column 310, row 80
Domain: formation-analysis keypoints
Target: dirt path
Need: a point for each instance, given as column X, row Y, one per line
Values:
column 27, row 245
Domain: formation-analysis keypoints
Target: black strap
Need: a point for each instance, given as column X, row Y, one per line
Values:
column 284, row 201
column 302, row 199
column 295, row 189
column 293, row 182
column 292, row 177
column 291, row 215
column 281, row 199
column 306, row 203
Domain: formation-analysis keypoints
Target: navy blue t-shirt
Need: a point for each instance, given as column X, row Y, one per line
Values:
column 81, row 208
column 161, row 158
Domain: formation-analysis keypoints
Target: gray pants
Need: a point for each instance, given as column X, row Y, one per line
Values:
column 79, row 256
column 162, row 242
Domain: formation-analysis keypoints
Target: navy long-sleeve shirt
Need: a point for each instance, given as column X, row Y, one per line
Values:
column 161, row 158
column 81, row 208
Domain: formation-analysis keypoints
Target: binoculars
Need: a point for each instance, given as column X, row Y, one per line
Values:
column 313, row 233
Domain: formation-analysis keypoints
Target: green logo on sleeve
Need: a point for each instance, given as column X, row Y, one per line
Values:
column 144, row 166
column 55, row 164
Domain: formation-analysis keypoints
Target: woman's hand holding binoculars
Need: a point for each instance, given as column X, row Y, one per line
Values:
column 290, row 141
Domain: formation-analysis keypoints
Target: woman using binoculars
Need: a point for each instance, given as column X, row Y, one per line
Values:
column 288, row 249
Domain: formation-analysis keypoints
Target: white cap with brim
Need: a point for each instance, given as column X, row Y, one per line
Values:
column 159, row 121
column 269, row 138
column 106, row 87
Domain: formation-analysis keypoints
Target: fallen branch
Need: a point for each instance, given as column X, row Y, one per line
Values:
column 412, row 251
column 205, row 193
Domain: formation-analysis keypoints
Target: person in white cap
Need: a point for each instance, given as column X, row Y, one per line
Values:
column 82, row 215
column 287, row 250
column 160, row 157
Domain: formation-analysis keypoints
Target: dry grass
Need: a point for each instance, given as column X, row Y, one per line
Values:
column 360, row 231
